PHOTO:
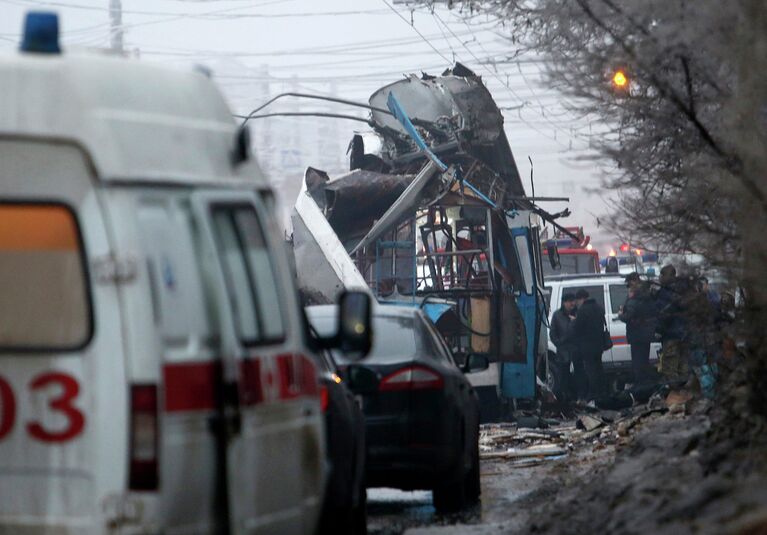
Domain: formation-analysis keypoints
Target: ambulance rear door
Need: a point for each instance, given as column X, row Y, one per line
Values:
column 173, row 360
column 269, row 428
column 62, row 385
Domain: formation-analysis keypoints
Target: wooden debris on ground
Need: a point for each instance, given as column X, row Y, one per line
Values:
column 526, row 446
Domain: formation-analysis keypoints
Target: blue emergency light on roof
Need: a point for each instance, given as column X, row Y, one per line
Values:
column 41, row 33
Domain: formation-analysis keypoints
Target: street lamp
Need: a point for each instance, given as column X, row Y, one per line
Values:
column 620, row 80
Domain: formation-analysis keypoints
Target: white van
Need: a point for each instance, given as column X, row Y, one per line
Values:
column 154, row 375
column 610, row 292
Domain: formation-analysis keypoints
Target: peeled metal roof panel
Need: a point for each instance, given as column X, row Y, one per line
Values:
column 453, row 108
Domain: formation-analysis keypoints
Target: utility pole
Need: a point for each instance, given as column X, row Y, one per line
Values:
column 116, row 26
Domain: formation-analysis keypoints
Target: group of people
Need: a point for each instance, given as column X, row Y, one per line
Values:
column 579, row 332
column 683, row 313
column 693, row 324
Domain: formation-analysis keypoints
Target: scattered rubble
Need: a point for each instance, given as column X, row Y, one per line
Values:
column 549, row 440
column 588, row 423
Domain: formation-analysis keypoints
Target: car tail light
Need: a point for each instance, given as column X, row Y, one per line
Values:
column 412, row 378
column 324, row 398
column 143, row 470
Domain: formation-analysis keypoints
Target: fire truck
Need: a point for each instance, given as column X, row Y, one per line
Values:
column 575, row 253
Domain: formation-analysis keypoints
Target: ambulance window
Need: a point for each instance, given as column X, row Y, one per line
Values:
column 44, row 303
column 165, row 226
column 250, row 275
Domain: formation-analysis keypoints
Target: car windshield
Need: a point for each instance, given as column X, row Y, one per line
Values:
column 394, row 338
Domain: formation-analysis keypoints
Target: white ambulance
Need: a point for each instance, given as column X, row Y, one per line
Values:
column 153, row 366
column 610, row 292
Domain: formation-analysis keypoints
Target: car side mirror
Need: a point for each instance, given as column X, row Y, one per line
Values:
column 476, row 363
column 355, row 336
column 362, row 379
column 553, row 254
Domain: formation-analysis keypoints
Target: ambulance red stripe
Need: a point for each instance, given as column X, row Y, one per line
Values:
column 191, row 386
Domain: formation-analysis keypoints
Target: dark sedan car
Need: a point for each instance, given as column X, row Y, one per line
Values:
column 421, row 412
column 344, row 510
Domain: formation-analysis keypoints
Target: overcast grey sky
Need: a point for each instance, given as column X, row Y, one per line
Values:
column 348, row 47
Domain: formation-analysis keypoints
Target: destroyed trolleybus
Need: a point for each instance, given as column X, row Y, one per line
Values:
column 439, row 219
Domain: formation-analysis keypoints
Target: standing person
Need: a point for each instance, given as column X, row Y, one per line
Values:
column 639, row 315
column 701, row 326
column 712, row 295
column 562, row 337
column 671, row 325
column 715, row 335
column 588, row 331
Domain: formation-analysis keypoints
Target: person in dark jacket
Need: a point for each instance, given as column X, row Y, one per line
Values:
column 671, row 324
column 561, row 335
column 588, row 332
column 640, row 316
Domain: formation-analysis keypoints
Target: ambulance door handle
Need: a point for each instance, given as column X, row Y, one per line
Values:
column 227, row 419
column 229, row 423
column 232, row 414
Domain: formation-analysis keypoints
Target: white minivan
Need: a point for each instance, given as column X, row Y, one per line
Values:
column 154, row 375
column 610, row 292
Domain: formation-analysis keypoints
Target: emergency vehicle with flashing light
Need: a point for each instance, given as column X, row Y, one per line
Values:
column 154, row 375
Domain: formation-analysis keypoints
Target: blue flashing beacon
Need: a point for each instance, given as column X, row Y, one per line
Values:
column 41, row 33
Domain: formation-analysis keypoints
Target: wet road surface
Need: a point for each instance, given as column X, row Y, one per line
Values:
column 392, row 512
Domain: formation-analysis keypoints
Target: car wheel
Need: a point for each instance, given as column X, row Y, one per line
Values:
column 360, row 514
column 472, row 480
column 450, row 495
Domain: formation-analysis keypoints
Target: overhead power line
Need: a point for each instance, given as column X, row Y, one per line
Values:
column 361, row 48
column 422, row 36
column 85, row 7
column 412, row 25
column 521, row 73
column 499, row 79
column 171, row 16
